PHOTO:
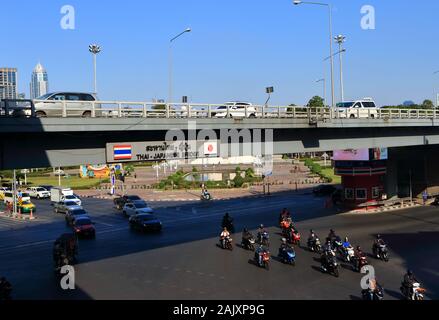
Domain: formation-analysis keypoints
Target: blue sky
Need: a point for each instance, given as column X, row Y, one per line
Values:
column 236, row 49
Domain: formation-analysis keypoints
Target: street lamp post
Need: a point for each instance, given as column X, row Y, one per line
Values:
column 170, row 62
column 297, row 2
column 324, row 89
column 94, row 49
column 340, row 39
column 436, row 93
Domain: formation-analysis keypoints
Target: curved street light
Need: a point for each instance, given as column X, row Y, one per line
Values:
column 298, row 2
column 170, row 61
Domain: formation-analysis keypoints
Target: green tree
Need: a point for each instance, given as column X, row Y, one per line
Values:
column 316, row 102
column 427, row 104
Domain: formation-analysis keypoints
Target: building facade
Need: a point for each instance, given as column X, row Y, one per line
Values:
column 39, row 82
column 8, row 83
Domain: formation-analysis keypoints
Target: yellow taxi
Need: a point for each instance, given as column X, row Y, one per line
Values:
column 27, row 207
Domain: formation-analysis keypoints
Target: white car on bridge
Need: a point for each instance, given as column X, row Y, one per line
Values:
column 235, row 110
column 365, row 109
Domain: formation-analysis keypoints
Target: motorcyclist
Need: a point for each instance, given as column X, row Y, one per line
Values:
column 204, row 193
column 327, row 247
column 346, row 243
column 246, row 236
column 377, row 244
column 312, row 237
column 284, row 248
column 332, row 235
column 259, row 253
column 5, row 289
column 261, row 233
column 227, row 222
column 285, row 214
column 224, row 235
column 409, row 280
column 357, row 257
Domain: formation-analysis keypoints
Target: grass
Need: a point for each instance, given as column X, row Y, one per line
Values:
column 74, row 182
column 329, row 172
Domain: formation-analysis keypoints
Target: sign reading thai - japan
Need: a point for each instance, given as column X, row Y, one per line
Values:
column 157, row 151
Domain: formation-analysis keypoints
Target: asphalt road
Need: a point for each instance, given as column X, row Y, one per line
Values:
column 184, row 262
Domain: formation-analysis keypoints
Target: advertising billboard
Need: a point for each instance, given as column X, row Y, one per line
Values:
column 374, row 154
column 351, row 155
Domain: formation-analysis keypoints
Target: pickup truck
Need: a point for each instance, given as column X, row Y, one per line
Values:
column 122, row 201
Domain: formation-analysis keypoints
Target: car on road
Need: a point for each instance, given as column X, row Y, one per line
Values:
column 136, row 207
column 38, row 192
column 120, row 202
column 145, row 222
column 325, row 190
column 235, row 110
column 365, row 108
column 84, row 227
column 65, row 206
column 72, row 215
column 3, row 190
column 73, row 198
column 27, row 207
column 78, row 104
column 9, row 197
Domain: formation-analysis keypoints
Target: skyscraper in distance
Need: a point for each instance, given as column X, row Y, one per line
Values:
column 8, row 83
column 39, row 82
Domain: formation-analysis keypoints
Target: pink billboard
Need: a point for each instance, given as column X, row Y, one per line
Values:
column 351, row 155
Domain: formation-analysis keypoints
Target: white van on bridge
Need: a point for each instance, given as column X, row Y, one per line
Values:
column 365, row 108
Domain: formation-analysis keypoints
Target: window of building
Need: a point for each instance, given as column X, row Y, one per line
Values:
column 349, row 194
column 361, row 194
column 376, row 192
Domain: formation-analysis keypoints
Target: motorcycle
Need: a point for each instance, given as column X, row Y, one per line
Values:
column 288, row 256
column 264, row 239
column 315, row 245
column 265, row 261
column 381, row 252
column 227, row 243
column 359, row 263
column 337, row 243
column 347, row 253
column 331, row 267
column 296, row 238
column 415, row 294
column 248, row 244
column 206, row 196
column 373, row 295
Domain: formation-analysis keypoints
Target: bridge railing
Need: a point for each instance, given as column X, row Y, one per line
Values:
column 129, row 109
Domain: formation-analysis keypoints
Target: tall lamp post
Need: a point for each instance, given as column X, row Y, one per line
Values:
column 171, row 63
column 437, row 94
column 324, row 89
column 94, row 49
column 297, row 2
column 340, row 39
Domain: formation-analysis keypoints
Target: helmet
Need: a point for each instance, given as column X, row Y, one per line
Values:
column 311, row 231
column 378, row 236
column 346, row 239
column 245, row 230
column 284, row 240
column 332, row 231
column 261, row 226
column 358, row 248
column 410, row 272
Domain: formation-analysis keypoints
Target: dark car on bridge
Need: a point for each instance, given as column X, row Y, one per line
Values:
column 122, row 201
column 84, row 227
column 145, row 223
column 72, row 215
column 324, row 190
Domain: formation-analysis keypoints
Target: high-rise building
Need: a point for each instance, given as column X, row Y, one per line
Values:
column 8, row 83
column 39, row 83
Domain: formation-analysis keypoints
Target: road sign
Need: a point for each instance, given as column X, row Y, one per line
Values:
column 211, row 148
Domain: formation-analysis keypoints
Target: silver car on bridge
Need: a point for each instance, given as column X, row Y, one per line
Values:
column 72, row 104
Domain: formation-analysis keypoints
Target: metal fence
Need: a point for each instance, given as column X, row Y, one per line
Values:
column 125, row 109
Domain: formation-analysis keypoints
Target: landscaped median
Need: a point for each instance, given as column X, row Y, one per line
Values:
column 327, row 174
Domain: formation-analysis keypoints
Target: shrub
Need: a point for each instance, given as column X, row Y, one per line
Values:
column 238, row 181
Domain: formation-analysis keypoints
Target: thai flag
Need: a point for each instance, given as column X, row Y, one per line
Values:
column 122, row 152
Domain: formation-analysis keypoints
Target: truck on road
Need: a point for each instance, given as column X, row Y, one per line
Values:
column 58, row 194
